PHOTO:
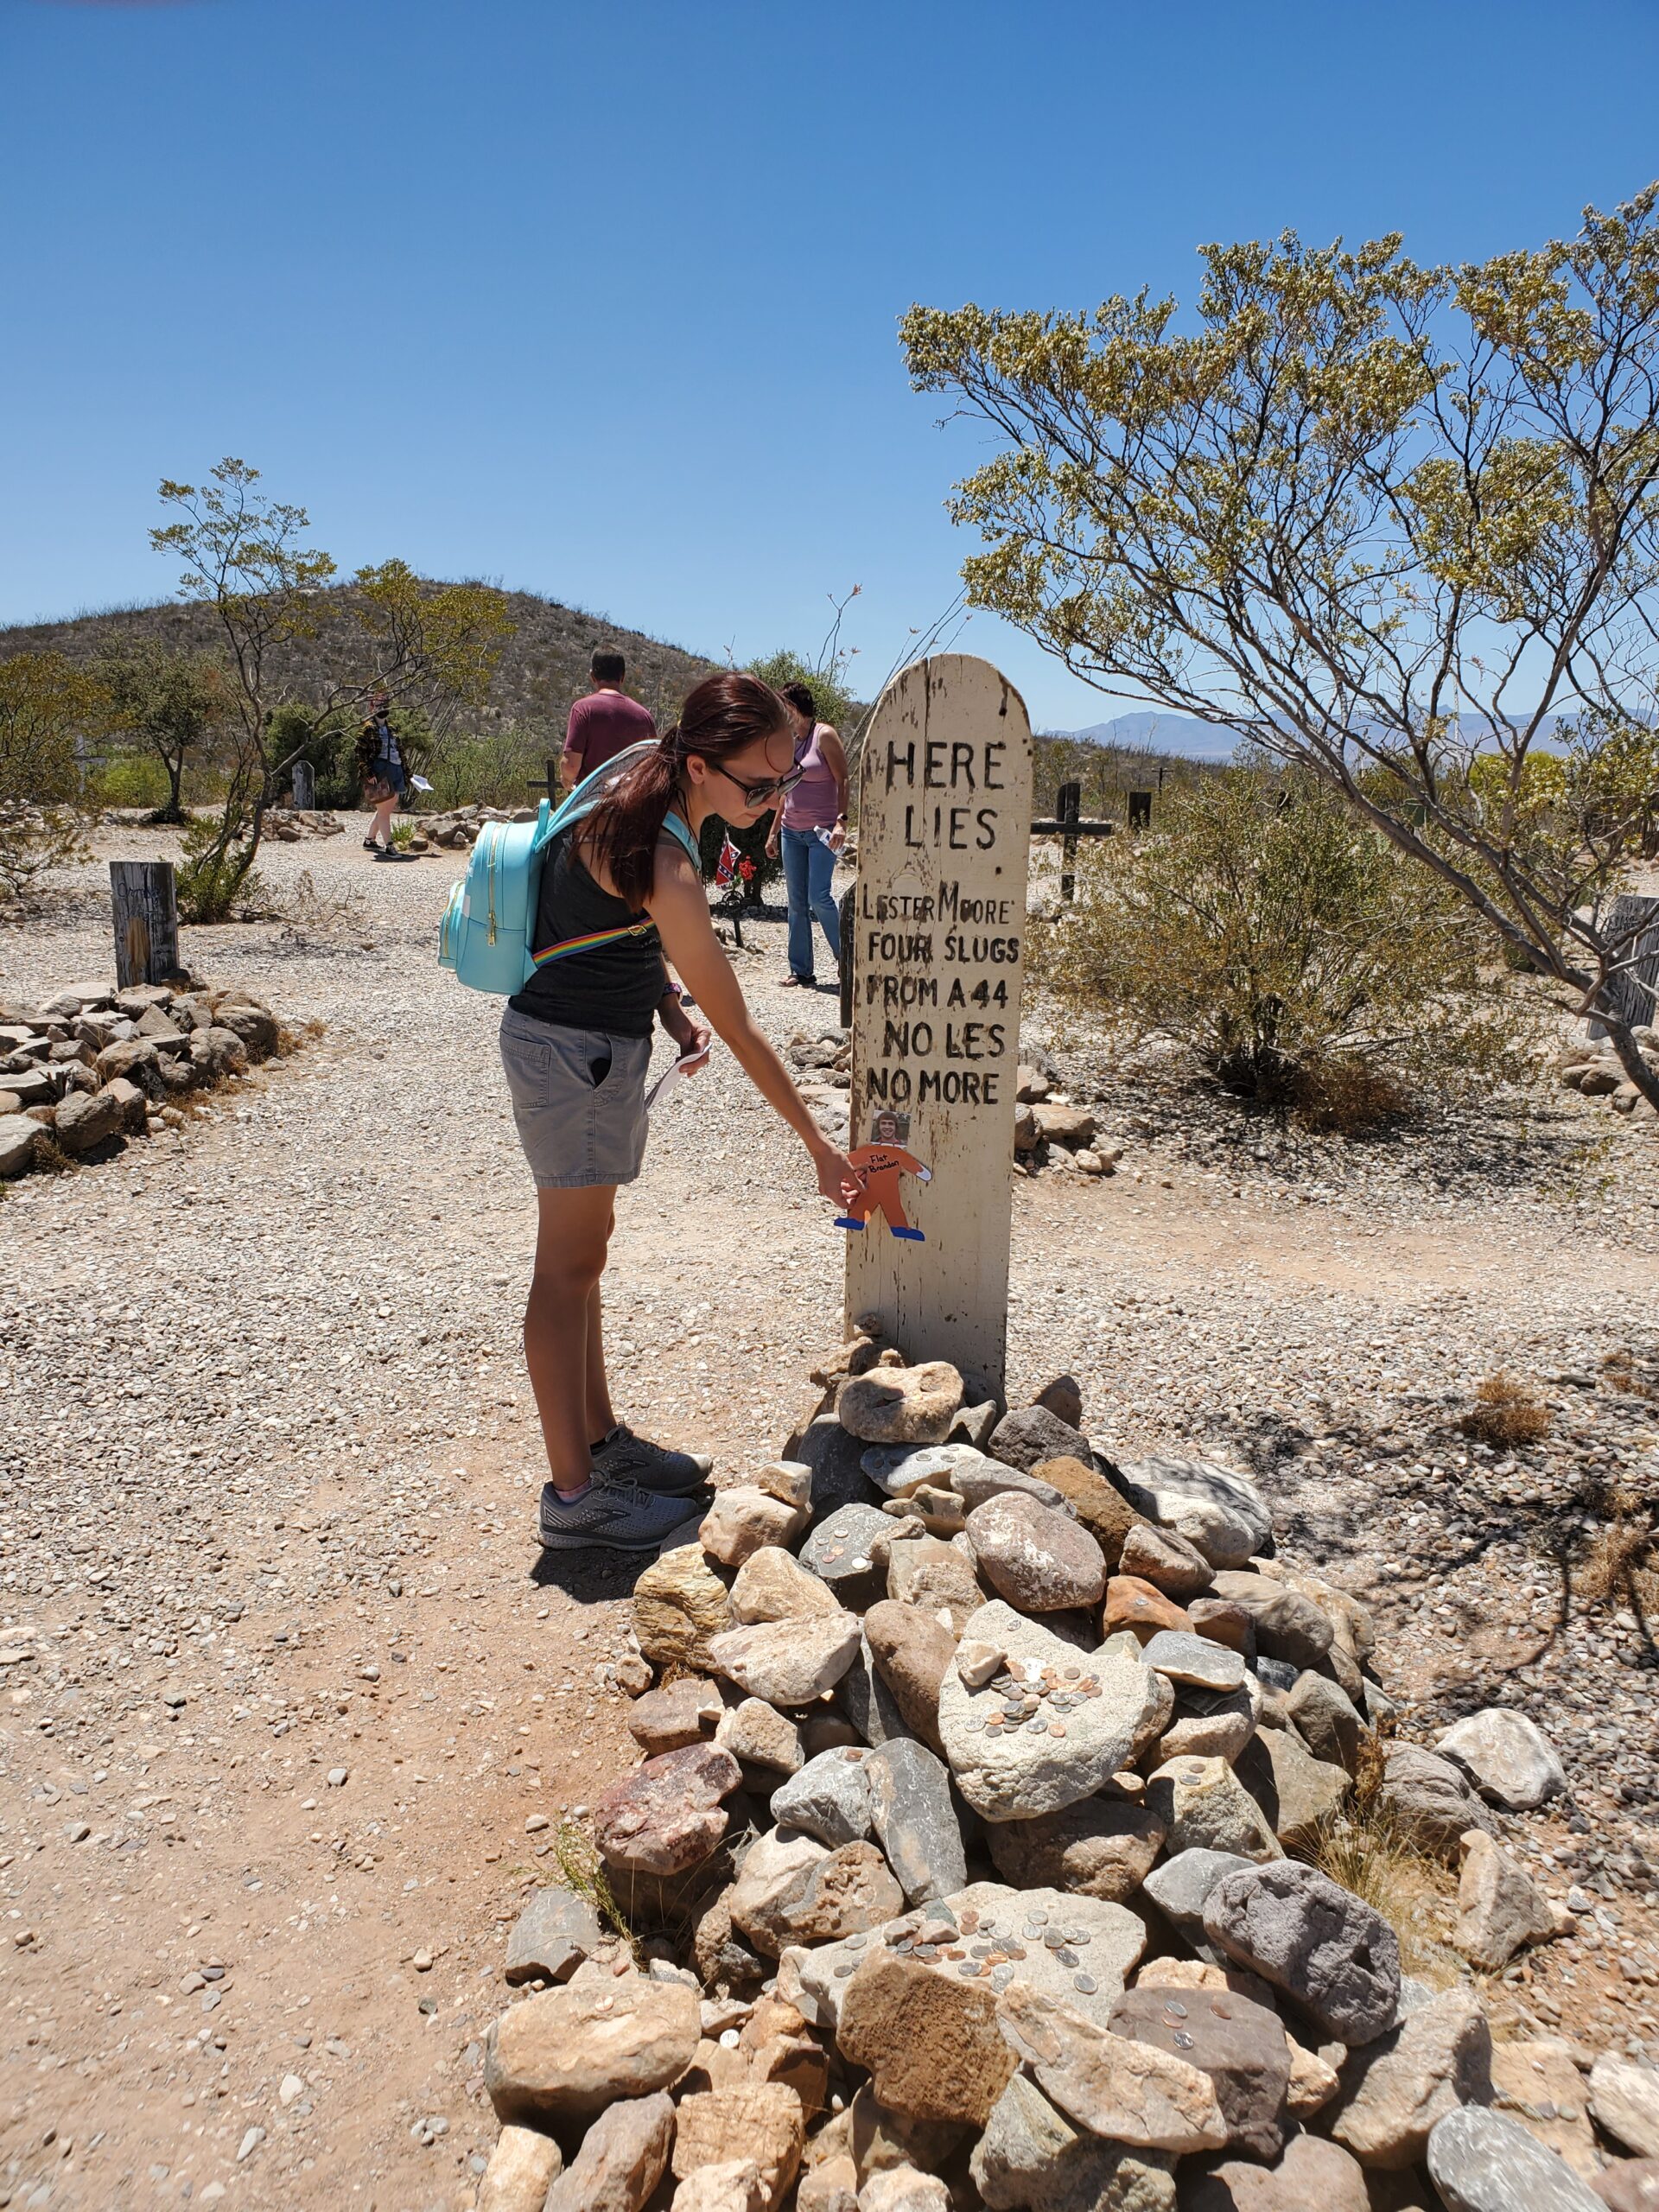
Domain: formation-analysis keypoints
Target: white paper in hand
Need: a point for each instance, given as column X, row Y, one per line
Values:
column 420, row 783
column 671, row 1078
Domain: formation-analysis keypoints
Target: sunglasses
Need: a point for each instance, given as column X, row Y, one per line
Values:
column 759, row 794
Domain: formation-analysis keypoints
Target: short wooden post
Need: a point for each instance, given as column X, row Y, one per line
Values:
column 553, row 778
column 305, row 785
column 944, row 838
column 1634, row 988
column 1140, row 810
column 146, row 921
column 1068, row 806
column 849, row 929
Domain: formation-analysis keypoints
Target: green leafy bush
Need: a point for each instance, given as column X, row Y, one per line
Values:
column 212, row 881
column 1289, row 948
column 131, row 778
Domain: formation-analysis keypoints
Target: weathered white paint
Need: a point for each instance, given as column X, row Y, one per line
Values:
column 939, row 934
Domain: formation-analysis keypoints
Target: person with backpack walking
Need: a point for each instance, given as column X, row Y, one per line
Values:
column 812, row 827
column 621, row 887
column 381, row 762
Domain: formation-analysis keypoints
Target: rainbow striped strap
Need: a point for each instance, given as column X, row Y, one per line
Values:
column 568, row 945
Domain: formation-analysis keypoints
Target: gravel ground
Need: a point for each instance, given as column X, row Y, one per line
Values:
column 266, row 1516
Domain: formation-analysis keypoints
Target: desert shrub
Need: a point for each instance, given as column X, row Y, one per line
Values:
column 211, row 881
column 1506, row 1412
column 491, row 767
column 1289, row 948
column 45, row 704
column 130, row 778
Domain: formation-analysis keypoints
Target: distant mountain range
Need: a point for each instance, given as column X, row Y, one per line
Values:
column 1188, row 739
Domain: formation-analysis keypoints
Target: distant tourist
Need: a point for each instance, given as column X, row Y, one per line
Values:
column 604, row 723
column 380, row 760
column 812, row 828
column 620, row 889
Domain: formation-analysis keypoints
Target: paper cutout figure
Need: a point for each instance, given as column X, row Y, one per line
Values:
column 888, row 1127
column 879, row 1167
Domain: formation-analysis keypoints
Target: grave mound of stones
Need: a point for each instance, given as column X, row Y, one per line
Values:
column 969, row 1862
column 92, row 1066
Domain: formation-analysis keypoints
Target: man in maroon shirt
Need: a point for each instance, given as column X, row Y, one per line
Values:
column 603, row 724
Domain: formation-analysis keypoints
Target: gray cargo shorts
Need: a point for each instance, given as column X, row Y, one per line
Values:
column 578, row 1099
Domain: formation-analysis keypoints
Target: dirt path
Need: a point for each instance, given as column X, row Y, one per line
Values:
column 266, row 1520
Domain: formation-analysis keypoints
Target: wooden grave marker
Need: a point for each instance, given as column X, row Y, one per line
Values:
column 939, row 962
column 144, row 908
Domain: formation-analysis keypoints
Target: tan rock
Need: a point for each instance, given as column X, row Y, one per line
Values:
column 1101, row 1847
column 830, row 2186
column 1166, row 1561
column 1500, row 1907
column 742, row 1521
column 932, row 2048
column 1105, row 1512
column 902, row 2188
column 931, row 1574
column 912, row 1650
column 795, row 1891
column 1199, row 1973
column 771, row 1584
column 678, row 1604
column 759, row 1735
column 735, row 2187
column 761, row 2124
column 570, row 2052
column 788, row 1662
column 1313, row 2081
column 1309, row 2175
column 1110, row 2084
column 621, row 2159
column 683, row 1712
column 522, row 2166
column 901, row 1405
column 1624, row 2098
column 789, row 1479
column 1203, row 1805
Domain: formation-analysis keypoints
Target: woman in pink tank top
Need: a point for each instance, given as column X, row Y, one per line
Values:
column 809, row 833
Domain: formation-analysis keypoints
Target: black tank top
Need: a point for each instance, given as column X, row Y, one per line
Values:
column 615, row 987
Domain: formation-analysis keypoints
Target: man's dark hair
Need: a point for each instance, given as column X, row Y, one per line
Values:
column 608, row 667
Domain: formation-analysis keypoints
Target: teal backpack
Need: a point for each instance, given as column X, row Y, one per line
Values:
column 487, row 934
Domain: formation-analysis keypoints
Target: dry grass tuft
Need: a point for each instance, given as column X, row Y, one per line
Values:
column 1612, row 1566
column 1506, row 1412
column 585, row 1875
column 1363, row 1849
column 50, row 1158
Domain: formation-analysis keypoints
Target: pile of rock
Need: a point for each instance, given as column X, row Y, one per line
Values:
column 289, row 825
column 980, row 1779
column 1049, row 1131
column 94, row 1064
column 1594, row 1071
column 823, row 1067
column 460, row 825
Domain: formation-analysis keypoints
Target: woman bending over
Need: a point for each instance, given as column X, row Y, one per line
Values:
column 576, row 1043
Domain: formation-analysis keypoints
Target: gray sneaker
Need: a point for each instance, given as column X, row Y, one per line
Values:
column 627, row 1458
column 616, row 1515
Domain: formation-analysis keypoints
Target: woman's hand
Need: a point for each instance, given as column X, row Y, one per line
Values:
column 689, row 1036
column 838, row 1179
column 836, row 838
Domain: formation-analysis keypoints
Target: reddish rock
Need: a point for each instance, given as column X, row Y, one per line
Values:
column 667, row 1816
column 1135, row 1605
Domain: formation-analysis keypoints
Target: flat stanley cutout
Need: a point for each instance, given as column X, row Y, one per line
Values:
column 878, row 1166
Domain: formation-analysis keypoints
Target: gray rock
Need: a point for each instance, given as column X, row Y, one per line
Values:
column 1180, row 1888
column 1300, row 1795
column 915, row 1822
column 1326, row 1949
column 869, row 1705
column 1481, row 2162
column 1185, row 1658
column 1240, row 2044
column 979, row 1479
column 840, row 1552
column 1396, row 2089
column 1205, row 1806
column 551, row 1937
column 1031, row 1435
column 828, row 1799
column 1624, row 2098
column 898, row 1469
column 1013, row 1770
column 1031, row 2155
column 18, row 1138
column 87, row 1118
column 1326, row 1720
column 1430, row 1800
column 833, row 1456
column 1040, row 1560
column 1287, row 1625
column 1275, row 1674
column 1507, row 1756
column 1172, row 1484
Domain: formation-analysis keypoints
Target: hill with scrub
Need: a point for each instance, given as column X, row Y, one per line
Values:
column 544, row 665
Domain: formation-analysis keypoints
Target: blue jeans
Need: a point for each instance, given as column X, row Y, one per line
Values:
column 809, row 864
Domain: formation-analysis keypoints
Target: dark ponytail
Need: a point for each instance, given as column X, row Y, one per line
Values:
column 722, row 716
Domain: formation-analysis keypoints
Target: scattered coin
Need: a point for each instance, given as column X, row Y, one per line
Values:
column 1085, row 1983
column 1068, row 1957
column 1174, row 2007
column 1181, row 2040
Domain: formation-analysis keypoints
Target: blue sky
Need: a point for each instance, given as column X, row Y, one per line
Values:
column 600, row 301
